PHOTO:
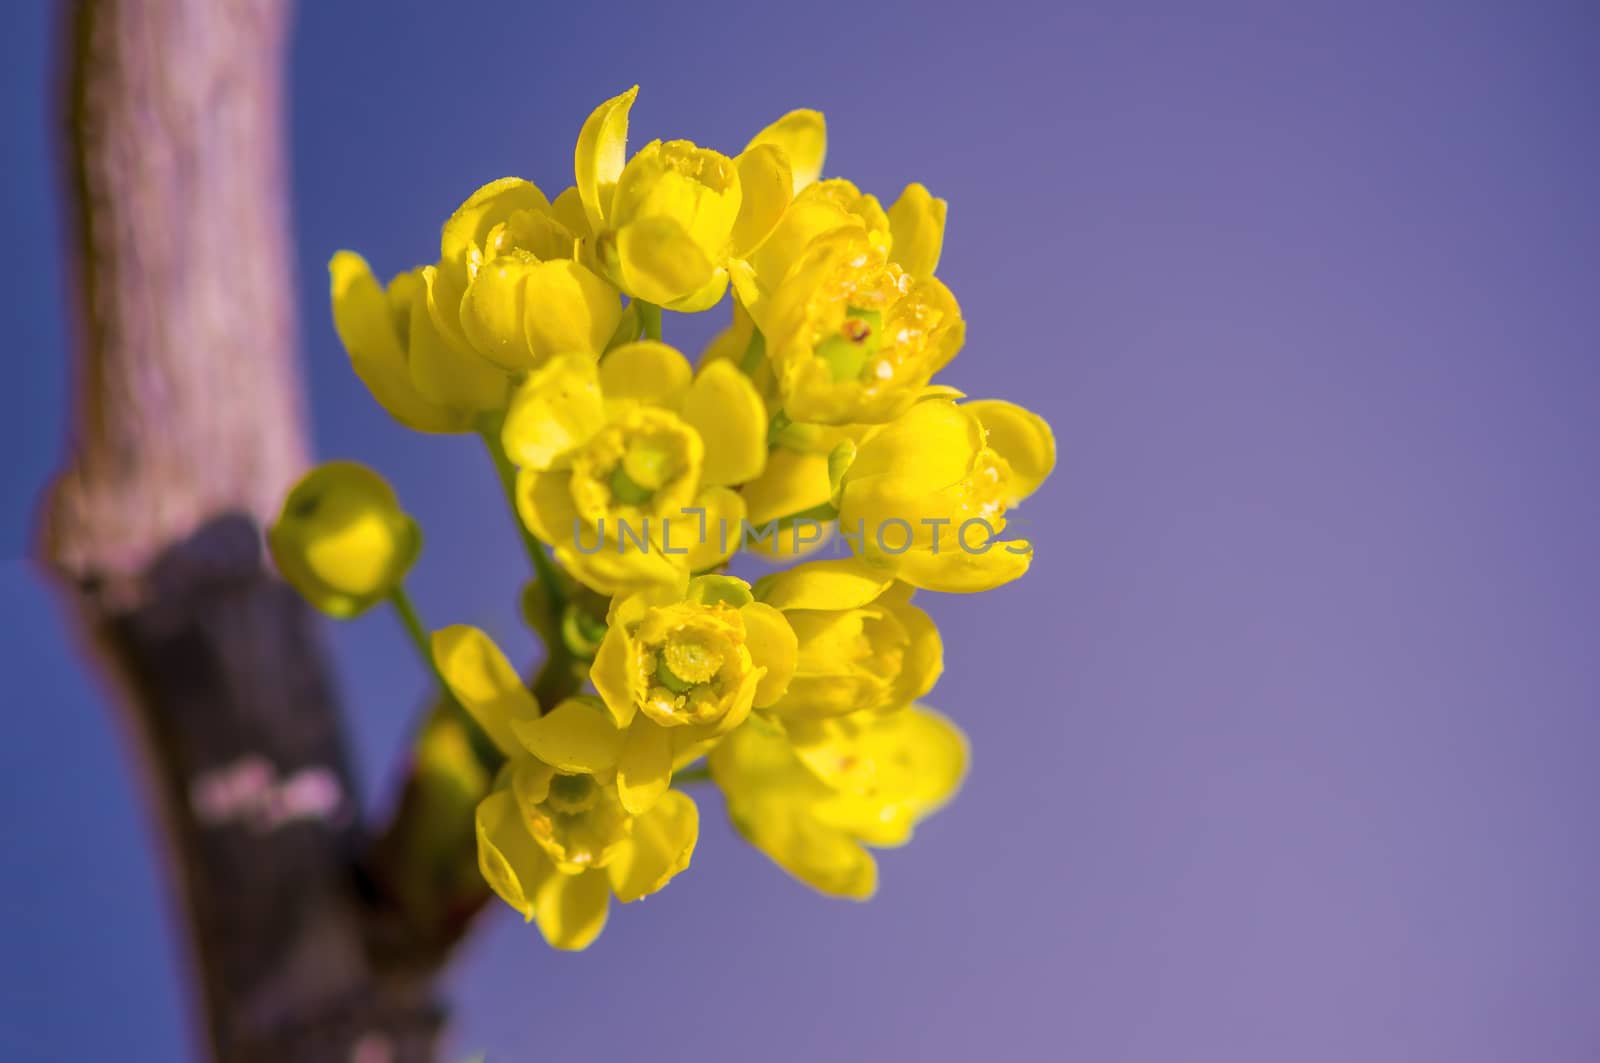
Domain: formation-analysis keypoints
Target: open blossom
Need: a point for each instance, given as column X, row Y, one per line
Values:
column 861, row 646
column 555, row 839
column 814, row 800
column 511, row 284
column 538, row 327
column 621, row 462
column 425, row 379
column 930, row 491
column 679, row 671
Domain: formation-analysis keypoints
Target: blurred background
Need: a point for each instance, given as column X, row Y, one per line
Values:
column 1285, row 749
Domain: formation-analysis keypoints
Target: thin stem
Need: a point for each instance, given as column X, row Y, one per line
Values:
column 419, row 634
column 754, row 352
column 649, row 318
column 690, row 776
column 543, row 567
column 776, row 427
column 562, row 674
column 483, row 746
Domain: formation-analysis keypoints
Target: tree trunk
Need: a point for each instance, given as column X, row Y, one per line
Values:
column 186, row 431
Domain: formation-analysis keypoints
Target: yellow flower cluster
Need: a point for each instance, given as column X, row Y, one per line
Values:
column 539, row 328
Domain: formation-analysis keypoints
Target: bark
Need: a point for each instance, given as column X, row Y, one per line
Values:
column 186, row 432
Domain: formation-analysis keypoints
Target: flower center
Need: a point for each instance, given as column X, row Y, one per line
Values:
column 986, row 486
column 532, row 233
column 848, row 351
column 572, row 794
column 644, row 468
column 688, row 662
column 648, row 461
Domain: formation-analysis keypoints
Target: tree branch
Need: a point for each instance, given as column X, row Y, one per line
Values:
column 186, row 432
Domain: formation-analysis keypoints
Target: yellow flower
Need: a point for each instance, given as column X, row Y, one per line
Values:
column 813, row 799
column 916, row 226
column 911, row 235
column 342, row 540
column 626, row 466
column 862, row 645
column 426, row 381
column 927, row 494
column 852, row 336
column 680, row 670
column 570, row 907
column 669, row 219
column 554, row 839
column 512, row 281
column 819, row 209
column 801, row 136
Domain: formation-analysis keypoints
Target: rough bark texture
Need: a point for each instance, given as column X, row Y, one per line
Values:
column 187, row 430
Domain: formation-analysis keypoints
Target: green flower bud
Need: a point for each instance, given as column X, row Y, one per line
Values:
column 342, row 539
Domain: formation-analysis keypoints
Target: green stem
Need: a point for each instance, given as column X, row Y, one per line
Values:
column 562, row 674
column 419, row 634
column 754, row 352
column 776, row 426
column 483, row 746
column 649, row 318
column 543, row 567
column 690, row 776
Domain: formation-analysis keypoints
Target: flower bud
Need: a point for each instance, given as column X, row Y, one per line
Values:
column 342, row 539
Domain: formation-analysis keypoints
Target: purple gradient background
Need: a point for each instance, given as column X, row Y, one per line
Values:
column 1283, row 751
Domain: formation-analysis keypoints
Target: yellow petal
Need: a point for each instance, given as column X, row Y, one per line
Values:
column 601, row 153
column 923, row 659
column 1023, row 439
column 571, row 909
column 445, row 289
column 492, row 312
column 544, row 502
column 724, row 407
column 555, row 411
column 823, row 857
column 887, row 772
column 713, row 538
column 446, row 373
column 461, row 242
column 803, row 137
column 962, row 572
column 578, row 736
column 645, row 768
column 792, row 482
column 773, row 646
column 658, row 261
column 939, row 757
column 512, row 863
column 661, row 845
column 836, row 583
column 704, row 297
column 806, row 220
column 929, row 447
column 484, row 683
column 715, row 589
column 568, row 210
column 645, row 371
column 916, row 222
column 613, row 673
column 366, row 322
column 568, row 310
column 603, row 568
column 767, row 184
column 677, row 179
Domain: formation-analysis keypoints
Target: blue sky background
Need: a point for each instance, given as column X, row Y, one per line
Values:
column 1286, row 747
